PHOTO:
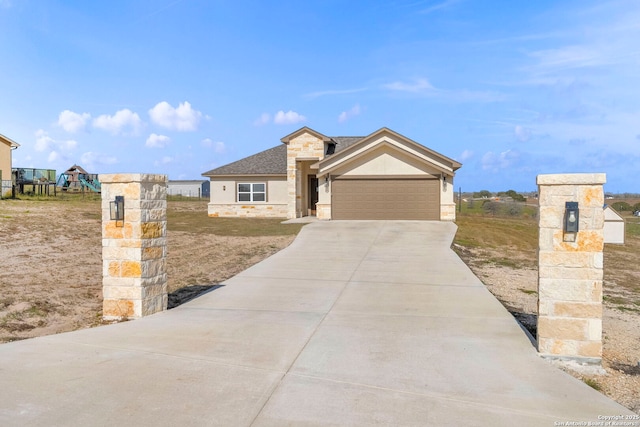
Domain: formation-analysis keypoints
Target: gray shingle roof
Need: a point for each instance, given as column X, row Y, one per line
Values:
column 272, row 161
column 269, row 162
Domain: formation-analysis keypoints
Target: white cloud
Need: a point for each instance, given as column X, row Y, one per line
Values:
column 290, row 117
column 92, row 161
column 218, row 146
column 121, row 122
column 73, row 122
column 419, row 85
column 495, row 162
column 522, row 133
column 422, row 87
column 43, row 141
column 164, row 161
column 346, row 115
column 183, row 118
column 444, row 5
column 334, row 92
column 157, row 141
column 264, row 119
column 466, row 155
column 53, row 156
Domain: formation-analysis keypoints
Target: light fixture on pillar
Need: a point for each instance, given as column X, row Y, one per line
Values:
column 116, row 209
column 571, row 217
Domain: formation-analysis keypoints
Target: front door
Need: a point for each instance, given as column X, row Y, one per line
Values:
column 313, row 194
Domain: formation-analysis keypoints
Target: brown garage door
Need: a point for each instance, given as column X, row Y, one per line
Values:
column 385, row 199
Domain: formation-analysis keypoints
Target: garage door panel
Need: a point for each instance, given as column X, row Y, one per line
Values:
column 385, row 199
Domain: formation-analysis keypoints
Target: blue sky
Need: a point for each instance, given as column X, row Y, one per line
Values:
column 510, row 89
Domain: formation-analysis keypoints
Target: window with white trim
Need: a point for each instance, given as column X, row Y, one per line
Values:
column 252, row 192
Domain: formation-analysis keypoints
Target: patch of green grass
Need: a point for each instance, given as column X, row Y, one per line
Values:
column 592, row 383
column 510, row 234
column 198, row 221
column 628, row 309
column 632, row 228
column 528, row 291
column 505, row 262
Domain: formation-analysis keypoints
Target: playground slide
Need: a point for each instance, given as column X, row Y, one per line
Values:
column 92, row 185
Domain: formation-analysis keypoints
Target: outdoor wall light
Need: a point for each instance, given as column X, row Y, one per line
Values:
column 116, row 209
column 326, row 179
column 571, row 217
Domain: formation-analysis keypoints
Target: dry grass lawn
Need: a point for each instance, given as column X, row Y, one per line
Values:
column 51, row 275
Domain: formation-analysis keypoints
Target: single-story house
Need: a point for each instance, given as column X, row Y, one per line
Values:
column 6, row 148
column 384, row 175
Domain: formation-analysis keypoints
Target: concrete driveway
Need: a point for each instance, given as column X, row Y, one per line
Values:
column 357, row 323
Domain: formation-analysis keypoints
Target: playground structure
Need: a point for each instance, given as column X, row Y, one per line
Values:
column 76, row 179
column 36, row 181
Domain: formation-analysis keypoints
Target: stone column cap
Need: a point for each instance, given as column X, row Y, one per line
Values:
column 131, row 177
column 572, row 179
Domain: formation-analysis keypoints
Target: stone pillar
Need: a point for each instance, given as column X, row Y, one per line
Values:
column 570, row 268
column 134, row 272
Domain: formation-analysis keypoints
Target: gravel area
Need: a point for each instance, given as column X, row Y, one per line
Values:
column 516, row 288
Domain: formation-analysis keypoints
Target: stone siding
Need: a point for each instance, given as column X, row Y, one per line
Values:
column 134, row 250
column 248, row 211
column 305, row 146
column 448, row 212
column 570, row 273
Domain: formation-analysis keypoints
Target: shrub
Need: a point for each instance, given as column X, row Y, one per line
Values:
column 621, row 206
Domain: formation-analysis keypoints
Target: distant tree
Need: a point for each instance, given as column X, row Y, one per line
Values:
column 491, row 207
column 512, row 193
column 483, row 194
column 636, row 207
column 514, row 209
column 621, row 206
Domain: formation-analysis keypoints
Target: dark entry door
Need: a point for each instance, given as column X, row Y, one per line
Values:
column 313, row 194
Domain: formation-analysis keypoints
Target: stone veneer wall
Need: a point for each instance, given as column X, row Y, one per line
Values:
column 305, row 146
column 570, row 273
column 134, row 250
column 448, row 212
column 248, row 211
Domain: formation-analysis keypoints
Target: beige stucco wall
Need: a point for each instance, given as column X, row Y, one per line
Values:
column 384, row 161
column 5, row 161
column 223, row 198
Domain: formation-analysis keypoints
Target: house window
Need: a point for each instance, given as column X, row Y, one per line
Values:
column 252, row 192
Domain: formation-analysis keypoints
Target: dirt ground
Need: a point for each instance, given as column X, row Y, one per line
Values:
column 51, row 279
column 516, row 288
column 51, row 264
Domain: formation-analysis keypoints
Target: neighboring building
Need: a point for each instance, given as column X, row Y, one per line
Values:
column 188, row 188
column 384, row 175
column 6, row 148
column 77, row 179
column 613, row 226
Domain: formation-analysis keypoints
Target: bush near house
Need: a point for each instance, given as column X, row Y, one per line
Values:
column 622, row 206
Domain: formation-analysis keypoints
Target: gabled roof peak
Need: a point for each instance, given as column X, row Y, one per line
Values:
column 302, row 130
